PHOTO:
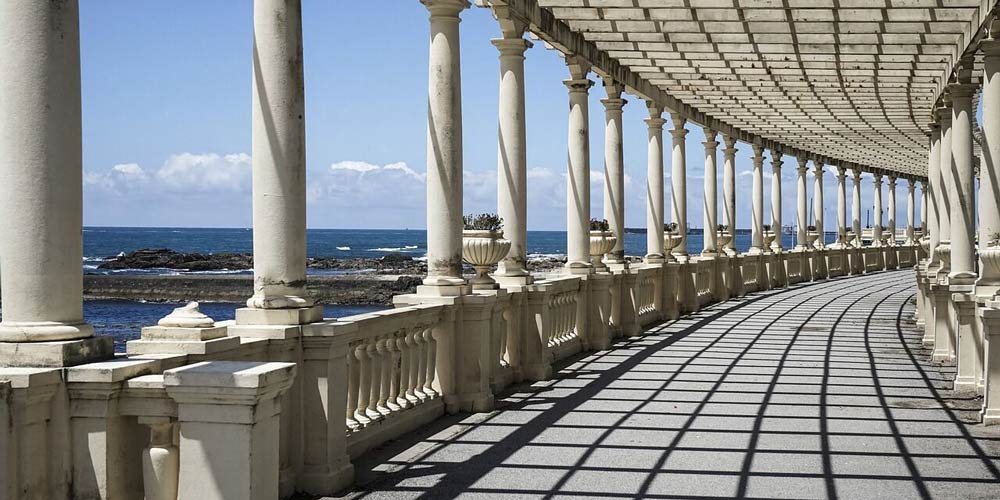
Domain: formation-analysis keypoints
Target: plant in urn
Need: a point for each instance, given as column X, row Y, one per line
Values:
column 601, row 242
column 483, row 246
column 671, row 238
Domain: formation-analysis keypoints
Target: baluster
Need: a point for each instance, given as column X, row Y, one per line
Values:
column 411, row 388
column 385, row 370
column 393, row 361
column 421, row 346
column 364, row 385
column 404, row 371
column 431, row 371
column 160, row 460
column 375, row 382
column 352, row 390
column 505, row 334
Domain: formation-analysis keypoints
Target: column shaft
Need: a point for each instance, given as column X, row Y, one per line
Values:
column 818, row 204
column 678, row 183
column 757, row 203
column 654, row 185
column 945, row 175
column 578, row 167
column 729, row 190
column 842, row 205
column 710, row 239
column 614, row 170
column 891, row 212
column 802, row 205
column 910, row 211
column 961, row 193
column 41, row 176
column 877, row 210
column 856, row 207
column 512, row 174
column 989, row 168
column 932, row 223
column 776, row 199
column 444, row 145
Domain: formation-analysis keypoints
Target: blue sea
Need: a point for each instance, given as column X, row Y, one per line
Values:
column 101, row 243
column 124, row 319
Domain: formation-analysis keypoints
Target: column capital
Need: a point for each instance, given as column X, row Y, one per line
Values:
column 944, row 114
column 990, row 47
column 892, row 180
column 818, row 168
column 578, row 85
column 710, row 136
column 841, row 171
column 656, row 124
column 445, row 8
column 512, row 47
column 613, row 105
column 612, row 88
column 962, row 90
column 511, row 25
column 654, row 109
column 758, row 152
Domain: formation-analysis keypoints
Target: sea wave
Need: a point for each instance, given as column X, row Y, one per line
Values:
column 343, row 248
column 407, row 248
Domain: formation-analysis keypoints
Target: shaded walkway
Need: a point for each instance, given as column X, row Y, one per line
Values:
column 750, row 398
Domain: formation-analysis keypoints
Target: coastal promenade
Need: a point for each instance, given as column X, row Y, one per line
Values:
column 822, row 390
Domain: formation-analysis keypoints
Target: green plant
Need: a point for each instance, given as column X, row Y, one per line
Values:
column 670, row 228
column 766, row 227
column 994, row 239
column 810, row 228
column 483, row 222
column 599, row 225
column 721, row 228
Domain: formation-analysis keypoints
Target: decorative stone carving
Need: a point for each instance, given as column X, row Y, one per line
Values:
column 670, row 242
column 187, row 316
column 483, row 250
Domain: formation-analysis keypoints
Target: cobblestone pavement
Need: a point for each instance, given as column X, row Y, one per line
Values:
column 819, row 391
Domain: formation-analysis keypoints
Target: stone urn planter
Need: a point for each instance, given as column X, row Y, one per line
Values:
column 768, row 239
column 723, row 238
column 601, row 242
column 811, row 238
column 944, row 255
column 991, row 260
column 925, row 244
column 483, row 250
column 670, row 242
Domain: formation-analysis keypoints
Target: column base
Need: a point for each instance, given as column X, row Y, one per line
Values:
column 56, row 354
column 248, row 316
column 518, row 280
column 965, row 384
column 990, row 416
column 325, row 481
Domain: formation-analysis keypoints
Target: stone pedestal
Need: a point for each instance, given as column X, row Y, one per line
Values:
column 944, row 342
column 970, row 349
column 26, row 408
column 991, row 394
column 229, row 415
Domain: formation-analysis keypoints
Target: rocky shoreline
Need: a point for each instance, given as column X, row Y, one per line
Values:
column 364, row 282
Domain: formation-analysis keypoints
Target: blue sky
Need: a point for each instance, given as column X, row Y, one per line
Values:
column 166, row 111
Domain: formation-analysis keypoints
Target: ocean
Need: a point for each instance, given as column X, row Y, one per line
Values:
column 123, row 320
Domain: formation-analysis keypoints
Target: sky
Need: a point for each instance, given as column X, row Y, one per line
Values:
column 166, row 121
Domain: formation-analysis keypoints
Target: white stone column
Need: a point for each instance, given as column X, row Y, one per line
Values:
column 578, row 168
column 776, row 199
column 279, row 157
column 614, row 170
column 842, row 206
column 910, row 211
column 41, row 183
column 711, row 209
column 512, row 172
column 932, row 222
column 818, row 202
column 729, row 190
column 961, row 191
column 989, row 168
column 802, row 205
column 856, row 206
column 678, row 184
column 922, row 223
column 654, row 184
column 757, row 203
column 877, row 209
column 891, row 212
column 945, row 179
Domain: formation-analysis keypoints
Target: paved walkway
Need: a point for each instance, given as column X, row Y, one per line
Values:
column 820, row 391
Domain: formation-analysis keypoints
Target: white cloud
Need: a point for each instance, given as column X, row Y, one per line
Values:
column 206, row 173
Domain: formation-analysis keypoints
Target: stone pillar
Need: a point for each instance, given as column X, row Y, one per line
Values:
column 614, row 170
column 41, row 188
column 961, row 195
column 932, row 221
column 944, row 188
column 729, row 191
column 818, row 203
column 757, row 204
column 444, row 149
column 856, row 207
column 910, row 211
column 989, row 168
column 279, row 157
column 922, row 223
column 228, row 414
column 891, row 212
column 877, row 209
column 512, row 173
column 802, row 205
column 841, row 206
column 710, row 247
column 990, row 412
column 654, row 185
column 776, row 199
column 578, row 169
column 678, row 184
